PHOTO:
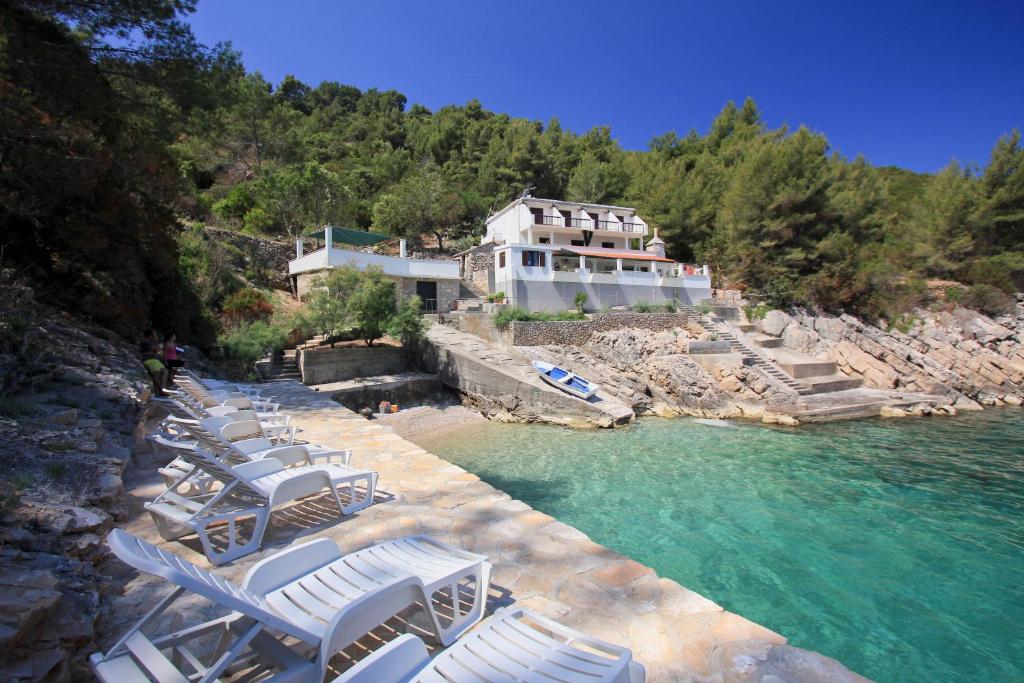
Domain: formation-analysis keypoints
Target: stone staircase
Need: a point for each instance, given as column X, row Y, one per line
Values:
column 751, row 357
column 284, row 365
column 801, row 373
column 470, row 297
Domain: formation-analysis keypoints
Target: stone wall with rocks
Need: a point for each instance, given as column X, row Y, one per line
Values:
column 264, row 261
column 63, row 447
column 577, row 332
column 477, row 266
column 958, row 353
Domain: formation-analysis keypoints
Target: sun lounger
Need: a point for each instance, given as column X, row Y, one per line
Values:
column 514, row 644
column 250, row 491
column 346, row 596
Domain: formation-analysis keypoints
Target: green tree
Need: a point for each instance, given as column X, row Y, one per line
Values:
column 372, row 304
column 421, row 203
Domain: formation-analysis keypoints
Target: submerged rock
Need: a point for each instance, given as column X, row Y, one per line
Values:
column 755, row 661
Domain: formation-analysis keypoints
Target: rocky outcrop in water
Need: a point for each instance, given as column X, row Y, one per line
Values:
column 959, row 353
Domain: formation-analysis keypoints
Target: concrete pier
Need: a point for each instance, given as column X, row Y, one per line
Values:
column 539, row 562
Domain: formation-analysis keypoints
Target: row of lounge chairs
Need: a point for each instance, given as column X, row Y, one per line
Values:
column 295, row 611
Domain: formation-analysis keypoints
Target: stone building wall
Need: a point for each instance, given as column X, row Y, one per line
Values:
column 577, row 332
column 447, row 290
column 477, row 266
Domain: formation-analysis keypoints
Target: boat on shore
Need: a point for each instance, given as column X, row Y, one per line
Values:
column 567, row 381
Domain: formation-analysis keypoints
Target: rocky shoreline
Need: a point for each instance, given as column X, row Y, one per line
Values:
column 944, row 362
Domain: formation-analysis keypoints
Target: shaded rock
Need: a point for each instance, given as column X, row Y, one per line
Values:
column 65, row 417
column 108, row 487
column 27, row 598
column 82, row 519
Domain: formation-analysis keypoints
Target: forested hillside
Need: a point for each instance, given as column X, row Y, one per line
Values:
column 116, row 128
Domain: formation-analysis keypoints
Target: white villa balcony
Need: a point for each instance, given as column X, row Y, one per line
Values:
column 328, row 256
column 550, row 221
column 396, row 266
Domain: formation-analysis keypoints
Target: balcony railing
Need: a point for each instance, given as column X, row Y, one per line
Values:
column 588, row 224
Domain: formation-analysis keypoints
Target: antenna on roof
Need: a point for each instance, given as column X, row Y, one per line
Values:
column 528, row 191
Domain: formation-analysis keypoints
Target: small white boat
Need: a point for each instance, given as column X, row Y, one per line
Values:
column 568, row 382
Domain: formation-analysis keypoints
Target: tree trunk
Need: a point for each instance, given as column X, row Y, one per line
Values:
column 440, row 245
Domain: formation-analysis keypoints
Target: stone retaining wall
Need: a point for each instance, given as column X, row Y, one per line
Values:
column 265, row 260
column 577, row 332
column 323, row 365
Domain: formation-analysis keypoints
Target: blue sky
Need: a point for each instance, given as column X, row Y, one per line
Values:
column 913, row 84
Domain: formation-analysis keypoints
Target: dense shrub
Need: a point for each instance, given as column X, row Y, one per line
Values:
column 987, row 299
column 503, row 318
column 247, row 305
column 253, row 340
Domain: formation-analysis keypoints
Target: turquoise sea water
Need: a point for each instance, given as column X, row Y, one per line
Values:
column 895, row 546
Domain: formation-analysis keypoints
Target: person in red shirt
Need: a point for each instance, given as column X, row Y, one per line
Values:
column 171, row 360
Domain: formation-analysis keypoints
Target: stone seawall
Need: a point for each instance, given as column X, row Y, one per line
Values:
column 324, row 365
column 577, row 332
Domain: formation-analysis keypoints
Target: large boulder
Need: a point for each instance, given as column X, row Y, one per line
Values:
column 830, row 328
column 800, row 338
column 774, row 323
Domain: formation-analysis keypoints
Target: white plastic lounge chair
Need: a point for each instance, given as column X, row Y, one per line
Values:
column 250, row 491
column 365, row 589
column 229, row 434
column 512, row 645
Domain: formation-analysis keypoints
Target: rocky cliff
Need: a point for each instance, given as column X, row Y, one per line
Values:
column 73, row 400
column 959, row 353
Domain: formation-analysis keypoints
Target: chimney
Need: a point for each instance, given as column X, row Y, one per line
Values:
column 656, row 245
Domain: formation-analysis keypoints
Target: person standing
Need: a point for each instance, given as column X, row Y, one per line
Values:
column 149, row 350
column 171, row 360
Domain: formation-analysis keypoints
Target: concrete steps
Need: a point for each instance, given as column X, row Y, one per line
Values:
column 830, row 383
column 808, row 369
column 285, row 366
column 766, row 341
column 470, row 305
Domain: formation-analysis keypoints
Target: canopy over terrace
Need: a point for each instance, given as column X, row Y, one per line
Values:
column 339, row 235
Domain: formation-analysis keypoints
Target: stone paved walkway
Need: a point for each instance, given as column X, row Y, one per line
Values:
column 538, row 561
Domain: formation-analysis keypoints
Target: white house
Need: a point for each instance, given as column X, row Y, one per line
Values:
column 546, row 250
column 435, row 281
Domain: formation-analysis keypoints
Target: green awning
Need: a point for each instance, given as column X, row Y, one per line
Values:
column 360, row 238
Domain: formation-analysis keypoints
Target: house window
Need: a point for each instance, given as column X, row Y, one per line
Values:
column 533, row 258
column 577, row 243
column 545, row 240
column 501, row 260
column 608, row 245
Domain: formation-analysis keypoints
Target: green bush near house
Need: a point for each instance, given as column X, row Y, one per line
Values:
column 580, row 300
column 251, row 341
column 497, row 297
column 515, row 314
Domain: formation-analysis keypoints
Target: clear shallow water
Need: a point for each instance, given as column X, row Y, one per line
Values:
column 895, row 546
